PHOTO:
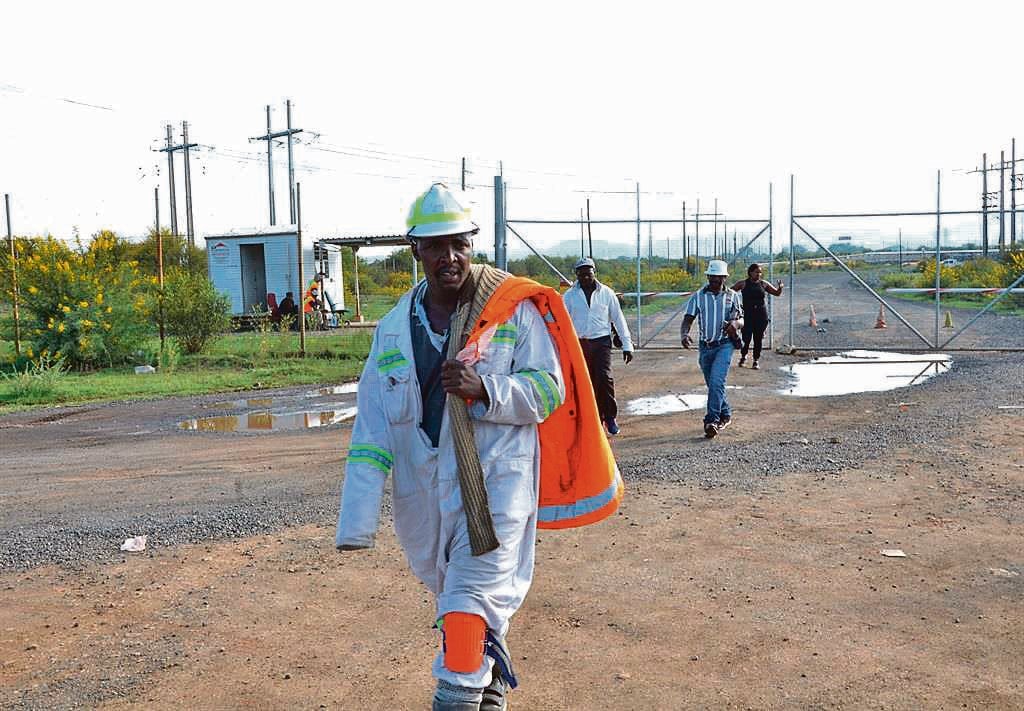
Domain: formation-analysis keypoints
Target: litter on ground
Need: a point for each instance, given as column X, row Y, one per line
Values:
column 136, row 544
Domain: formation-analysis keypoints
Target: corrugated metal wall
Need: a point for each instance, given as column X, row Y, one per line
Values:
column 280, row 263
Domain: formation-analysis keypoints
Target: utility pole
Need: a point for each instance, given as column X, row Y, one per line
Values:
column 650, row 245
column 291, row 163
column 159, row 264
column 901, row 249
column 269, row 138
column 14, row 276
column 463, row 173
column 984, row 205
column 186, row 146
column 169, row 150
column 696, row 241
column 270, row 170
column 988, row 199
column 1002, row 212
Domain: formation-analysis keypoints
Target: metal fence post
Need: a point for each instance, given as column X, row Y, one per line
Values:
column 14, row 277
column 500, row 255
column 302, row 301
column 938, row 250
column 792, row 262
column 639, row 322
column 771, row 273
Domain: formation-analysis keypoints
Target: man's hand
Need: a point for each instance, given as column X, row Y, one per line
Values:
column 687, row 341
column 462, row 381
column 730, row 329
column 627, row 356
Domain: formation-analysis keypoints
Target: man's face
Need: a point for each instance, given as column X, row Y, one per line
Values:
column 445, row 261
column 585, row 276
column 715, row 282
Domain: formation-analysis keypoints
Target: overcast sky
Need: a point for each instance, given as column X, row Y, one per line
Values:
column 863, row 102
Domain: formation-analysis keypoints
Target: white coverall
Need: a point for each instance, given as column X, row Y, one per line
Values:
column 520, row 370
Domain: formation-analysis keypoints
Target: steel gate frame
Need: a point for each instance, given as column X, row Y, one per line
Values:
column 503, row 222
column 938, row 213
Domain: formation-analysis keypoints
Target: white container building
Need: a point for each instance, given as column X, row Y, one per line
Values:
column 249, row 266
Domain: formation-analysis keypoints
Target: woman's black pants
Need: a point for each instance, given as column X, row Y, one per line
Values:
column 753, row 328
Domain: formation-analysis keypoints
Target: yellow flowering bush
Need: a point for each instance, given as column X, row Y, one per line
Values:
column 87, row 302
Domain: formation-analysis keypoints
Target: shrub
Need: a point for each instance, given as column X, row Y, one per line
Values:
column 899, row 280
column 1014, row 262
column 84, row 305
column 177, row 253
column 37, row 382
column 194, row 311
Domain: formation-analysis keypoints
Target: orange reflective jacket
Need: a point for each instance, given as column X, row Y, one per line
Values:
column 579, row 480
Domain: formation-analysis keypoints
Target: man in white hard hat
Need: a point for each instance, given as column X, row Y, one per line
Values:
column 719, row 311
column 594, row 309
column 413, row 423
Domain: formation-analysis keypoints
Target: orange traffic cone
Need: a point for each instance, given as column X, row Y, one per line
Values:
column 880, row 322
column 813, row 323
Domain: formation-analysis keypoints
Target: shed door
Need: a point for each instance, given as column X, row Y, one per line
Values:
column 254, row 277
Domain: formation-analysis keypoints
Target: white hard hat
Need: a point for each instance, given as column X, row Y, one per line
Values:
column 439, row 212
column 716, row 267
column 585, row 262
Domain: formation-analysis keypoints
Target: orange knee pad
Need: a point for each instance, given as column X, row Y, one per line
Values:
column 464, row 636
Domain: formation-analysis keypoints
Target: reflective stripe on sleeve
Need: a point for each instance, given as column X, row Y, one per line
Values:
column 505, row 333
column 546, row 388
column 389, row 360
column 370, row 454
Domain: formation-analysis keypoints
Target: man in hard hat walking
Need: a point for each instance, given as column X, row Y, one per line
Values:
column 414, row 424
column 719, row 311
column 595, row 309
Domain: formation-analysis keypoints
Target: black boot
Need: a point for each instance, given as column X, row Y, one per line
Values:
column 449, row 697
column 495, row 693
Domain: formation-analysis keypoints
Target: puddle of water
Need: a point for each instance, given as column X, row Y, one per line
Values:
column 665, row 404
column 268, row 421
column 336, row 390
column 862, row 371
column 232, row 404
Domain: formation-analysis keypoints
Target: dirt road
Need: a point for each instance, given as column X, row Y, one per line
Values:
column 742, row 572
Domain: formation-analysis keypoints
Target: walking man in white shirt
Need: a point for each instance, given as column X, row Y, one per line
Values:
column 594, row 309
column 719, row 311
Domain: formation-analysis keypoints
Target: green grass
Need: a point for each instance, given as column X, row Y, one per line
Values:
column 1012, row 305
column 374, row 306
column 653, row 306
column 234, row 362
